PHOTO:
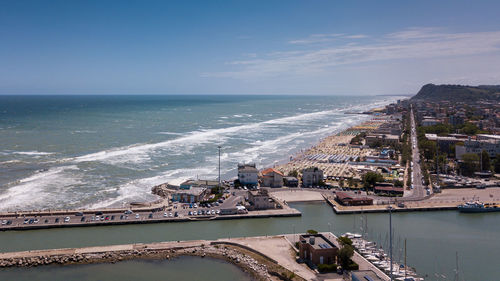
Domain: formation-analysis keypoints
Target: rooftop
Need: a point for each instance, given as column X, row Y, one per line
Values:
column 320, row 242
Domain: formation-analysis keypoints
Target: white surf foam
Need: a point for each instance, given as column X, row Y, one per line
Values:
column 33, row 153
column 35, row 190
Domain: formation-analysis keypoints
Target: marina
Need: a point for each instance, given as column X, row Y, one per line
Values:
column 427, row 252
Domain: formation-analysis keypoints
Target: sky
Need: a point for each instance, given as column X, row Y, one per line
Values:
column 246, row 47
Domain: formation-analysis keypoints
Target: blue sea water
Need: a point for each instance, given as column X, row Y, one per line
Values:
column 101, row 151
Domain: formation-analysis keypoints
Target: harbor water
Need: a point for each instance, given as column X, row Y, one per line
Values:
column 433, row 238
column 179, row 269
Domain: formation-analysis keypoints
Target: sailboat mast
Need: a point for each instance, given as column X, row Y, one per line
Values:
column 405, row 259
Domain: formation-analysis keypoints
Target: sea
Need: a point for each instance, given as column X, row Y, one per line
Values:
column 88, row 151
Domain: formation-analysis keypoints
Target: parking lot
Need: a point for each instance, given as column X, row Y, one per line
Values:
column 177, row 211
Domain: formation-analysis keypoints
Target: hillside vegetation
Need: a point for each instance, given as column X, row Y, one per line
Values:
column 458, row 93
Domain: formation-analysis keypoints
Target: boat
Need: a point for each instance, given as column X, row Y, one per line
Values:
column 478, row 207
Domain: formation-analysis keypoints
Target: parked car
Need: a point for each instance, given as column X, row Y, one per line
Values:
column 82, row 219
column 150, row 216
column 128, row 212
column 57, row 220
column 136, row 216
column 66, row 219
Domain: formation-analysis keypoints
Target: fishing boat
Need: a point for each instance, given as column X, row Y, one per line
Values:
column 478, row 207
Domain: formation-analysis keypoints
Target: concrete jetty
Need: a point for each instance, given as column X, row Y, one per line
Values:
column 117, row 217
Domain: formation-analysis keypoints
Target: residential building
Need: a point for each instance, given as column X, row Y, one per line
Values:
column 198, row 183
column 430, row 122
column 381, row 139
column 490, row 145
column 271, row 178
column 195, row 194
column 260, row 200
column 348, row 200
column 312, row 176
column 317, row 249
column 291, row 181
column 248, row 175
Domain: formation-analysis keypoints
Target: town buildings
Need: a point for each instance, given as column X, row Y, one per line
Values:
column 317, row 249
column 192, row 195
column 348, row 200
column 260, row 200
column 311, row 176
column 271, row 178
column 248, row 175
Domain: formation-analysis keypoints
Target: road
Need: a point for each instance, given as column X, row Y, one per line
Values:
column 418, row 190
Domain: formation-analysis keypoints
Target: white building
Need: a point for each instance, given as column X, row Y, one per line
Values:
column 311, row 177
column 248, row 175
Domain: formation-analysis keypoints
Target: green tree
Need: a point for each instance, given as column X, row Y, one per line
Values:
column 497, row 163
column 370, row 178
column 470, row 129
column 312, row 231
column 341, row 182
column 485, row 158
column 293, row 173
column 344, row 240
column 345, row 254
column 470, row 164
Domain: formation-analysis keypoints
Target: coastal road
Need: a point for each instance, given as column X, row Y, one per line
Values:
column 418, row 190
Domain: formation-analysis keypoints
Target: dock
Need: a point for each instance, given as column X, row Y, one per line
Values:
column 413, row 207
column 18, row 219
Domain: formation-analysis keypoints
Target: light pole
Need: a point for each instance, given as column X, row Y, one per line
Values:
column 390, row 235
column 329, row 225
column 219, row 147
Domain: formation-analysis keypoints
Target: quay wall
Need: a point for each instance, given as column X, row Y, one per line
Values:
column 289, row 212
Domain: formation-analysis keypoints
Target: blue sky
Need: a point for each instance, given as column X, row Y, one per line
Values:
column 246, row 47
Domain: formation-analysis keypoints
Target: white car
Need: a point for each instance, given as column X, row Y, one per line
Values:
column 218, row 212
column 213, row 212
column 66, row 219
column 4, row 222
column 136, row 216
column 97, row 218
column 170, row 215
column 165, row 215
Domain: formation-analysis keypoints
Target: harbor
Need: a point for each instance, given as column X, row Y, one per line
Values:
column 414, row 227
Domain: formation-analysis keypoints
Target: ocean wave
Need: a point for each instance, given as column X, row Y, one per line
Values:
column 32, row 153
column 140, row 190
column 37, row 190
column 130, row 153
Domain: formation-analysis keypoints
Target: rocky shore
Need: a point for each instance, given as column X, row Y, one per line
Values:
column 230, row 253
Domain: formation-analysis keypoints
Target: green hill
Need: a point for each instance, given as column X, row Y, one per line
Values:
column 458, row 93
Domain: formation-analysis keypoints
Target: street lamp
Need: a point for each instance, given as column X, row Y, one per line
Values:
column 329, row 225
column 219, row 147
column 390, row 235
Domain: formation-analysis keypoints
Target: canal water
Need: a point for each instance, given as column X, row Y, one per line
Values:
column 433, row 238
column 179, row 269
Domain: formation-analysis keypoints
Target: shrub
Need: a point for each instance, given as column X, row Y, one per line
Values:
column 327, row 268
column 352, row 266
column 312, row 231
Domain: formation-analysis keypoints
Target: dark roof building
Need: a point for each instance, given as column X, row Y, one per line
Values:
column 348, row 200
column 317, row 249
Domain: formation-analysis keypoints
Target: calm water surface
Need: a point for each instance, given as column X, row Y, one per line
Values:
column 433, row 238
column 179, row 269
